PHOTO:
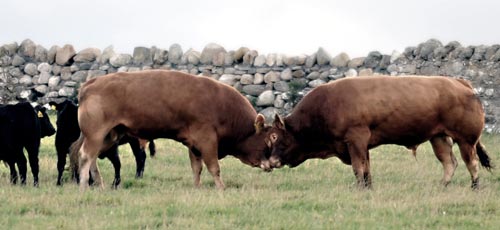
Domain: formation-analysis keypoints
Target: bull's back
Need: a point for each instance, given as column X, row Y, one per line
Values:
column 392, row 106
column 160, row 100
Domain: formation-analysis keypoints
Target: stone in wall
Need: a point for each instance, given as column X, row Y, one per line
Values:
column 65, row 54
column 175, row 53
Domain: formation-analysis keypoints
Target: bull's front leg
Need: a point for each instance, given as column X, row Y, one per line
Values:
column 357, row 143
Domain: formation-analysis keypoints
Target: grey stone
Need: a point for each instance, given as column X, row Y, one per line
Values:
column 228, row 79
column 43, row 78
column 27, row 49
column 44, row 68
column 160, row 56
column 65, row 54
column 26, row 80
column 258, row 79
column 52, row 94
column 341, row 60
column 279, row 102
column 31, row 69
column 246, row 79
column 300, row 59
column 271, row 77
column 94, row 73
column 51, row 54
column 271, row 59
column 175, row 53
column 106, row 55
column 313, row 75
column 66, row 91
column 5, row 61
column 79, row 76
column 316, row 83
column 281, row 86
column 229, row 58
column 253, row 90
column 290, row 60
column 212, row 52
column 54, row 81
column 466, row 53
column 122, row 69
column 491, row 51
column 43, row 89
column 373, row 59
column 365, row 72
column 395, row 56
column 119, row 60
column 479, row 53
column 351, row 73
column 87, row 55
column 192, row 57
column 10, row 49
column 323, row 57
column 356, row 62
column 279, row 59
column 266, row 98
column 41, row 54
column 408, row 69
column 260, row 60
column 15, row 72
column 83, row 65
column 70, row 83
column 249, row 57
column 65, row 73
column 17, row 60
column 239, row 54
column 286, row 74
column 454, row 68
column 426, row 49
column 310, row 61
column 298, row 73
column 142, row 56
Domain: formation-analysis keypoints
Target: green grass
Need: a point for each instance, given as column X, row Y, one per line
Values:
column 319, row 194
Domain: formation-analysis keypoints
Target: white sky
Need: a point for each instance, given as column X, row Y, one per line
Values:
column 268, row 26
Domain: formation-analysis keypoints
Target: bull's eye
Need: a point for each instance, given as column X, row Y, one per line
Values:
column 273, row 137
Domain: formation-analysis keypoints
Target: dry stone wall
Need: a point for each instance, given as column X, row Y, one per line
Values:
column 273, row 82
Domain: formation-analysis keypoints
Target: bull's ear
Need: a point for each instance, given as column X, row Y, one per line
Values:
column 278, row 122
column 259, row 123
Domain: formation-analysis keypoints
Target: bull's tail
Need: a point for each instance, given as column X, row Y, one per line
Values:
column 483, row 156
column 74, row 156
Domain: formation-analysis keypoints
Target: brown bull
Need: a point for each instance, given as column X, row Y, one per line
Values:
column 212, row 119
column 348, row 117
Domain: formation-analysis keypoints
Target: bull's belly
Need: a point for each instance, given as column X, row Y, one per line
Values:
column 407, row 140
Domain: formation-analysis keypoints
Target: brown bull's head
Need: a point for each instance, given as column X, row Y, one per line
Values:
column 255, row 148
column 284, row 147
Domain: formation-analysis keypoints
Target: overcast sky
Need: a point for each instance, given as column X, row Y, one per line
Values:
column 268, row 26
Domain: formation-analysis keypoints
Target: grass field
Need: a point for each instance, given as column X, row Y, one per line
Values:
column 319, row 194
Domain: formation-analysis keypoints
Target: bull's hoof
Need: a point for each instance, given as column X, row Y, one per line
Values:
column 475, row 184
column 116, row 183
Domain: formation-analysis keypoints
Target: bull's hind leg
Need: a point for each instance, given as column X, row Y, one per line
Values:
column 468, row 153
column 442, row 146
column 197, row 167
column 357, row 143
column 88, row 160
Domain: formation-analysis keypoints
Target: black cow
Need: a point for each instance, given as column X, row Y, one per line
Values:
column 68, row 132
column 22, row 126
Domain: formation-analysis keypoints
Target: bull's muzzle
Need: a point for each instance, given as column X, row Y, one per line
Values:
column 275, row 162
column 266, row 166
